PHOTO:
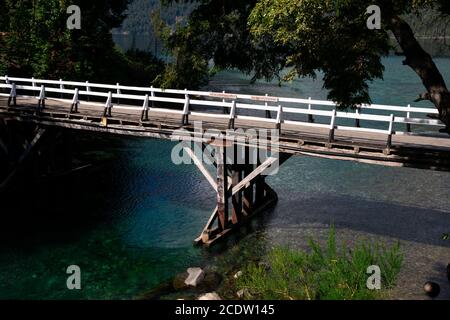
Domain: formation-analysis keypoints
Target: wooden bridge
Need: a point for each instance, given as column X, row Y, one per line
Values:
column 378, row 134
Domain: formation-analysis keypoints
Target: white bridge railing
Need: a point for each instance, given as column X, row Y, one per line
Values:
column 236, row 105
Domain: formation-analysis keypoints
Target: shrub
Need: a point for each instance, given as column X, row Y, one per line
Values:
column 323, row 273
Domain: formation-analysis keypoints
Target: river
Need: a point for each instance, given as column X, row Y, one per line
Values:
column 129, row 221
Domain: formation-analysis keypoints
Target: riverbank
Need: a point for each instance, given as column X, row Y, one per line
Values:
column 425, row 259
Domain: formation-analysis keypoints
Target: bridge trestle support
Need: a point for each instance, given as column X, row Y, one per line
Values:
column 241, row 190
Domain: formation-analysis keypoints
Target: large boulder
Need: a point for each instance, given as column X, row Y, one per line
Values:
column 195, row 277
column 209, row 296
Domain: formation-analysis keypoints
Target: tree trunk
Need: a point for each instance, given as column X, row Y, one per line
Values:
column 422, row 63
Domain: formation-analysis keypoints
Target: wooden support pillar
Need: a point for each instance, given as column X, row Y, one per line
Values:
column 236, row 182
column 247, row 201
column 260, row 185
column 236, row 199
column 222, row 185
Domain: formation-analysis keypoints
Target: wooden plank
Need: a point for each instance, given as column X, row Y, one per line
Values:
column 223, row 95
column 265, row 99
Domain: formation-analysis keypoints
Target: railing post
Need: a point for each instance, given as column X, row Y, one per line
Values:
column 12, row 96
column 310, row 116
column 6, row 80
column 268, row 115
column 152, row 95
column 280, row 119
column 108, row 106
column 232, row 115
column 144, row 116
column 75, row 102
column 41, row 103
column 224, row 110
column 408, row 115
column 185, row 119
column 332, row 127
column 357, row 120
column 33, row 83
column 118, row 92
column 61, row 87
column 390, row 133
column 88, row 89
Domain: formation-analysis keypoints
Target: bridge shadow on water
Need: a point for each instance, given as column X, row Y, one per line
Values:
column 402, row 222
column 61, row 209
column 51, row 211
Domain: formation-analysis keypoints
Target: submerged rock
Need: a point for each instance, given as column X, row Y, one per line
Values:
column 209, row 296
column 432, row 289
column 195, row 277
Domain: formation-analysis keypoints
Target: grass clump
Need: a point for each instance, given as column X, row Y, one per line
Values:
column 329, row 273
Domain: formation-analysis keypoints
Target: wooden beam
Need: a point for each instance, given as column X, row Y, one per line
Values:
column 204, row 236
column 201, row 167
column 222, row 188
column 252, row 176
column 236, row 199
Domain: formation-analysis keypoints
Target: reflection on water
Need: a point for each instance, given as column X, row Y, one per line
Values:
column 129, row 221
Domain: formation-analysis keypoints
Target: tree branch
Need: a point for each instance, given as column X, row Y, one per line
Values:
column 423, row 97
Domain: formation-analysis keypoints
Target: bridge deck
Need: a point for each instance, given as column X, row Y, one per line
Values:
column 407, row 150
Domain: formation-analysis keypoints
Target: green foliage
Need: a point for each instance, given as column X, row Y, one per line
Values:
column 312, row 33
column 265, row 37
column 35, row 41
column 139, row 12
column 217, row 32
column 324, row 273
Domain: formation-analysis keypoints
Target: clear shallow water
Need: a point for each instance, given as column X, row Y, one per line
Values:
column 129, row 222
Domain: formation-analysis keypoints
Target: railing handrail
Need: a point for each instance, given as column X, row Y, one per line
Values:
column 221, row 95
column 229, row 101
